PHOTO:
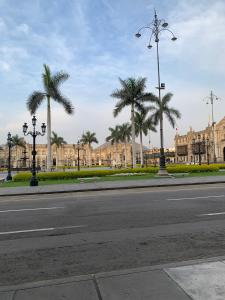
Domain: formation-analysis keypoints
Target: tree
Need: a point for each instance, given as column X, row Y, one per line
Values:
column 114, row 138
column 160, row 109
column 131, row 94
column 142, row 126
column 124, row 137
column 18, row 142
column 51, row 85
column 87, row 139
column 58, row 141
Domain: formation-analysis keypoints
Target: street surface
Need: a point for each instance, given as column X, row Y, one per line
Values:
column 59, row 235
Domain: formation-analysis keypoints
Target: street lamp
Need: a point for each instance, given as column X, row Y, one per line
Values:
column 156, row 27
column 10, row 144
column 34, row 134
column 211, row 100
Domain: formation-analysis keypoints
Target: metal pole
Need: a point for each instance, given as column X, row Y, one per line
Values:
column 213, row 128
column 9, row 176
column 78, row 158
column 34, row 181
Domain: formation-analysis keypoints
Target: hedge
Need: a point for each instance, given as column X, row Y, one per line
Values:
column 80, row 174
column 100, row 173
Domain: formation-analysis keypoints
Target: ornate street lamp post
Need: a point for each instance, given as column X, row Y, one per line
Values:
column 9, row 143
column 34, row 134
column 156, row 27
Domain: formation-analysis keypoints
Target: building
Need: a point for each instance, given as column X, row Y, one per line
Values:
column 205, row 146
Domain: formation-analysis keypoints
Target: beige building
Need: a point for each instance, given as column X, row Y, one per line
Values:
column 206, row 146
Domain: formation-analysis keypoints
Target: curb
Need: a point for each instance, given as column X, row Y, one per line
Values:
column 109, row 188
column 79, row 278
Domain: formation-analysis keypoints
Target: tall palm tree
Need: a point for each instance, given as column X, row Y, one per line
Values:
column 51, row 85
column 160, row 109
column 87, row 139
column 131, row 94
column 114, row 138
column 124, row 137
column 142, row 126
column 18, row 142
column 58, row 141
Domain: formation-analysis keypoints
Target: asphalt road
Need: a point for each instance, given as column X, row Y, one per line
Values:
column 52, row 236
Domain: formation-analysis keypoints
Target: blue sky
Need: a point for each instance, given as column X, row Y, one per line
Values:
column 93, row 40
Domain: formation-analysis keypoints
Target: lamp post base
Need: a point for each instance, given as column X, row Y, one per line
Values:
column 8, row 178
column 33, row 181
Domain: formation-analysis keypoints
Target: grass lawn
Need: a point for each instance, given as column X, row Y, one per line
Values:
column 111, row 178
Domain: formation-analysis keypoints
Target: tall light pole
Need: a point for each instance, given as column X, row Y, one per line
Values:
column 34, row 134
column 210, row 100
column 10, row 144
column 156, row 27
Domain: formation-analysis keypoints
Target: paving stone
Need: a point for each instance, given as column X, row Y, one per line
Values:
column 6, row 295
column 202, row 281
column 82, row 290
column 140, row 286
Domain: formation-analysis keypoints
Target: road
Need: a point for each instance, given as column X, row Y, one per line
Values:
column 52, row 236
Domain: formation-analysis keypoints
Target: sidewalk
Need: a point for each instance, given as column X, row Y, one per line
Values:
column 196, row 280
column 110, row 185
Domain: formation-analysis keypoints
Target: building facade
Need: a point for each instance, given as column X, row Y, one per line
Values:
column 205, row 146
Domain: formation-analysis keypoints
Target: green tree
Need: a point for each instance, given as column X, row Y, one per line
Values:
column 18, row 142
column 131, row 94
column 114, row 138
column 160, row 109
column 58, row 141
column 87, row 139
column 124, row 137
column 143, row 124
column 51, row 91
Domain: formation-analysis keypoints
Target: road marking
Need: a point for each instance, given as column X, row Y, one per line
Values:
column 212, row 214
column 192, row 198
column 31, row 209
column 41, row 229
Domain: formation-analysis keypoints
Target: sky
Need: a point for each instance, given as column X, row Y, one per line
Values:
column 94, row 41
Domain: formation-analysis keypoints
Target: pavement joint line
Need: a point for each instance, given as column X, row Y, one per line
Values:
column 110, row 188
column 41, row 229
column 97, row 287
column 177, row 285
column 31, row 209
column 193, row 198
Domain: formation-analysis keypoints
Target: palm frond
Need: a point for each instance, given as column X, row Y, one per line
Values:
column 59, row 78
column 34, row 101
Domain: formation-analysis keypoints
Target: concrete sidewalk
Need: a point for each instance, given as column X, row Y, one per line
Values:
column 110, row 185
column 197, row 280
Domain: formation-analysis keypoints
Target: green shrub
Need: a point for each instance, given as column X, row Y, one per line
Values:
column 192, row 168
column 80, row 174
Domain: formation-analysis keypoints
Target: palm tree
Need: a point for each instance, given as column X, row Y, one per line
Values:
column 161, row 108
column 87, row 139
column 114, row 138
column 58, row 141
column 125, row 136
column 142, row 126
column 51, row 85
column 131, row 94
column 18, row 142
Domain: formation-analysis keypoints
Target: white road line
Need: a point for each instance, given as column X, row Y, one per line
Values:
column 41, row 229
column 193, row 198
column 31, row 209
column 212, row 214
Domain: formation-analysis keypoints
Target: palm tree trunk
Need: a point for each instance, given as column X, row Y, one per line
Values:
column 49, row 155
column 89, row 155
column 125, row 153
column 141, row 150
column 133, row 137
